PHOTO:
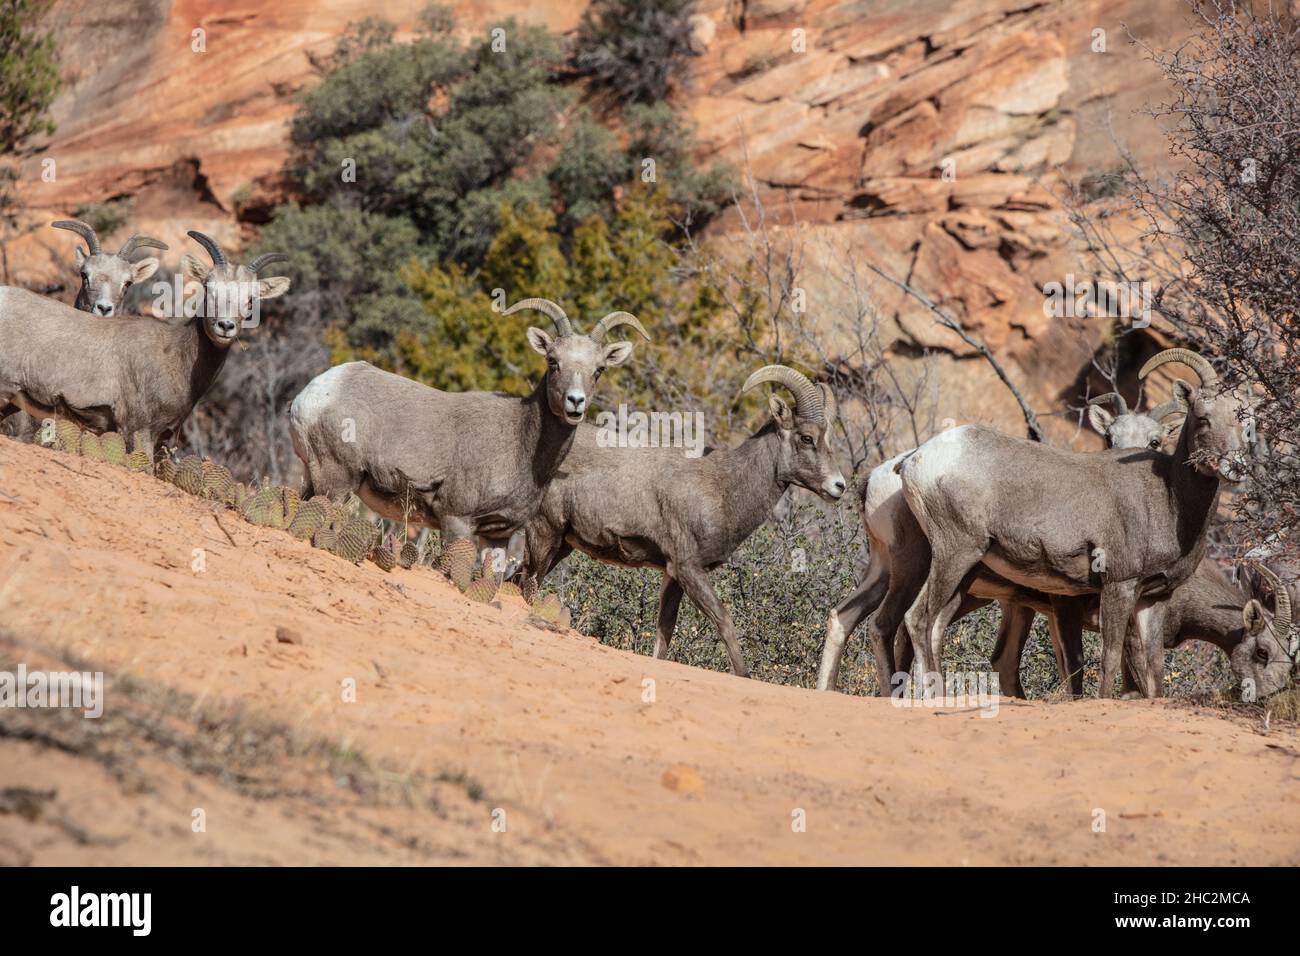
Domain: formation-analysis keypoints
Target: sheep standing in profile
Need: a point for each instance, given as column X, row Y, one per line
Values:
column 472, row 464
column 657, row 508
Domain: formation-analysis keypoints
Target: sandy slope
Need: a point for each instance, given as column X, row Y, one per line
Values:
column 95, row 564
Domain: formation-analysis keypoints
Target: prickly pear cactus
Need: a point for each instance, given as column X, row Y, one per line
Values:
column 356, row 540
column 325, row 539
column 410, row 554
column 548, row 608
column 138, row 460
column 528, row 588
column 189, row 476
column 67, row 436
column 265, row 508
column 482, row 589
column 509, row 589
column 310, row 517
column 218, row 483
column 166, row 471
column 458, row 560
column 91, row 446
column 114, row 448
column 289, row 504
column 383, row 556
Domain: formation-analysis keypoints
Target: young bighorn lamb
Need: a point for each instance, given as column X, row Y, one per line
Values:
column 899, row 558
column 138, row 376
column 105, row 278
column 473, row 464
column 1122, row 524
column 654, row 507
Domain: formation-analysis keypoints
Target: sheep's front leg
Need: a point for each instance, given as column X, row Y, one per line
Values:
column 670, row 599
column 1118, row 600
column 695, row 582
column 866, row 597
column 939, row 600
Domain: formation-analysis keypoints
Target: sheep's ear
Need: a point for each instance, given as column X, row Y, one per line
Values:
column 539, row 340
column 1100, row 419
column 272, row 287
column 1254, row 616
column 144, row 269
column 195, row 268
column 1170, row 431
column 81, row 258
column 1184, row 391
column 781, row 413
column 616, row 353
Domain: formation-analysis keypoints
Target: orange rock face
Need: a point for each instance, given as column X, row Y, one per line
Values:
column 936, row 133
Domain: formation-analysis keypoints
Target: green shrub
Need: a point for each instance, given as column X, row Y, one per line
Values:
column 634, row 48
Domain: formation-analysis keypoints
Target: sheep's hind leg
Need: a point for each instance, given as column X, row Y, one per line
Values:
column 844, row 620
column 938, row 602
column 1013, row 630
column 695, row 582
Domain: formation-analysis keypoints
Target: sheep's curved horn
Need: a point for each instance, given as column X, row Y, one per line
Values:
column 807, row 400
column 1197, row 363
column 210, row 244
column 265, row 259
column 83, row 230
column 1116, row 397
column 1282, row 605
column 613, row 321
column 1165, row 409
column 140, row 242
column 562, row 323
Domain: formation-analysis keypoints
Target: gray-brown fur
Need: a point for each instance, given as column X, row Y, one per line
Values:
column 135, row 376
column 473, row 464
column 1126, row 525
column 655, row 507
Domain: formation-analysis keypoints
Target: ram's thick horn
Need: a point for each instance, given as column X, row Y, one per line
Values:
column 1282, row 604
column 139, row 241
column 1115, row 397
column 807, row 400
column 613, row 321
column 83, row 230
column 562, row 323
column 210, row 244
column 1165, row 409
column 265, row 259
column 1197, row 363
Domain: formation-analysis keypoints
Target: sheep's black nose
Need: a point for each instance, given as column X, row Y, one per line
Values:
column 104, row 308
column 575, row 402
column 226, row 327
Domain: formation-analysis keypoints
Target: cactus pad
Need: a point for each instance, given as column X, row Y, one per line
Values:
column 383, row 556
column 67, row 436
column 166, row 471
column 310, row 517
column 114, row 448
column 217, row 482
column 482, row 589
column 458, row 560
column 410, row 554
column 138, row 460
column 509, row 589
column 548, row 607
column 355, row 540
column 91, row 446
column 326, row 538
column 189, row 476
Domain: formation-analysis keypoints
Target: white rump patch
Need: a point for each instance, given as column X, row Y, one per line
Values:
column 319, row 395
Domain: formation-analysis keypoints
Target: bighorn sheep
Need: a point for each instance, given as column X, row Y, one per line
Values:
column 105, row 277
column 1122, row 524
column 138, row 376
column 899, row 558
column 1205, row 608
column 655, row 507
column 473, row 464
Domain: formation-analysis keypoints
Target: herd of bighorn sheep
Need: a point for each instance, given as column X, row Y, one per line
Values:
column 1112, row 541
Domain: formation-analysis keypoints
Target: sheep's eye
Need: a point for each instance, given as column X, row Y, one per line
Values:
column 806, row 439
column 596, row 374
column 1261, row 654
column 1154, row 443
column 126, row 284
